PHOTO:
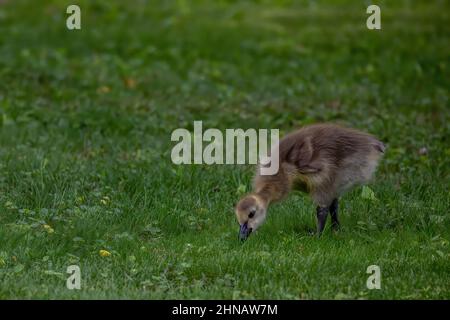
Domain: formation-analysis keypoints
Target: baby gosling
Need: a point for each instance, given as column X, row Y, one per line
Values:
column 323, row 160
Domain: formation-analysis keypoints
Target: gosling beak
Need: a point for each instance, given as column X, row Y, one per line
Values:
column 244, row 232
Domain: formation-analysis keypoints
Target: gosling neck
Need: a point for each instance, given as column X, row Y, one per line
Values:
column 263, row 198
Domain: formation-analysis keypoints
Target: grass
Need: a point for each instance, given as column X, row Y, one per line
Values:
column 85, row 124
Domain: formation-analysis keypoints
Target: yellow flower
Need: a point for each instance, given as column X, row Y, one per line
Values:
column 104, row 253
column 48, row 228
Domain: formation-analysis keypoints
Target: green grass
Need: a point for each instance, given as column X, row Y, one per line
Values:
column 85, row 124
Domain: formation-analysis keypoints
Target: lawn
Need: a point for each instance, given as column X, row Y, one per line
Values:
column 85, row 124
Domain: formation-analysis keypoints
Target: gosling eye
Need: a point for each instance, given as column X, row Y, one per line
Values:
column 252, row 214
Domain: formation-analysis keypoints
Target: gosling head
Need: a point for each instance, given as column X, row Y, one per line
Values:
column 251, row 213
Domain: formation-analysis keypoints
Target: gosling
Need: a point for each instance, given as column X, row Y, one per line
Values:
column 323, row 160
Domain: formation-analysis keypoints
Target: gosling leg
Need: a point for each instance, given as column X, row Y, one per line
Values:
column 322, row 213
column 335, row 225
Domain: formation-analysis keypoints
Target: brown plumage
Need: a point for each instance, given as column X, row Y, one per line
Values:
column 323, row 160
